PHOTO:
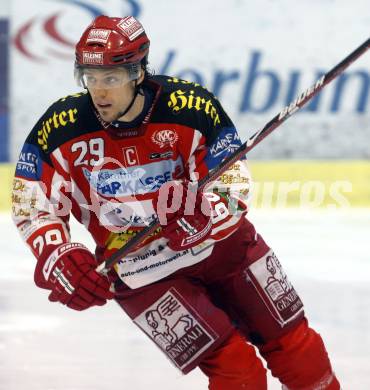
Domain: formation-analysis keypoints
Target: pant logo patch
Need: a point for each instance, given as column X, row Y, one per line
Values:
column 170, row 324
column 272, row 284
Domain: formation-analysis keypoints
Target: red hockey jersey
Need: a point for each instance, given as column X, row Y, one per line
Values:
column 107, row 174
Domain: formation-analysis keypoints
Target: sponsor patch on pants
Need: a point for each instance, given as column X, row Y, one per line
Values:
column 171, row 325
column 273, row 286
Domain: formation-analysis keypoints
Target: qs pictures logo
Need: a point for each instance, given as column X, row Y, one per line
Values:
column 53, row 34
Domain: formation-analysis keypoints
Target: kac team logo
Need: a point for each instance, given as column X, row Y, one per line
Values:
column 164, row 138
column 54, row 34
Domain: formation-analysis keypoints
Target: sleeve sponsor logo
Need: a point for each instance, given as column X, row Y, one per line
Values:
column 91, row 58
column 24, row 198
column 60, row 119
column 29, row 163
column 98, row 35
column 226, row 143
column 235, row 183
column 131, row 27
column 132, row 181
column 170, row 323
column 165, row 138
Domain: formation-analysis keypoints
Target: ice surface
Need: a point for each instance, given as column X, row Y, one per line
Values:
column 44, row 346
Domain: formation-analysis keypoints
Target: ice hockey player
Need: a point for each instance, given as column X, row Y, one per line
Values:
column 205, row 287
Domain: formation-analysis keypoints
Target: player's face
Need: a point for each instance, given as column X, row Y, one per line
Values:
column 111, row 91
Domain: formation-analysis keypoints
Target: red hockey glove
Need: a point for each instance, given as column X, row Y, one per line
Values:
column 69, row 272
column 184, row 214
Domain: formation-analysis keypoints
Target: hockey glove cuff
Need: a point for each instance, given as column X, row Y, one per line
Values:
column 69, row 272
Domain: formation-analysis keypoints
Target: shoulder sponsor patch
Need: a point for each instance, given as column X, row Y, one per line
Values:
column 195, row 100
column 57, row 121
column 29, row 163
column 226, row 143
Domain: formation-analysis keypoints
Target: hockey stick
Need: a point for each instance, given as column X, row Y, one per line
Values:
column 255, row 139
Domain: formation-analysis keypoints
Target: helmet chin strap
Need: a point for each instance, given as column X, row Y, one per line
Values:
column 136, row 92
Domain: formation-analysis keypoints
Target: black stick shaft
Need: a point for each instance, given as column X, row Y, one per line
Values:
column 255, row 139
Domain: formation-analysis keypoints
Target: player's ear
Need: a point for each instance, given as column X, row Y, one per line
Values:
column 141, row 77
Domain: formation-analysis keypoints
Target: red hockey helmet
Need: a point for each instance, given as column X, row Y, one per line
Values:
column 111, row 42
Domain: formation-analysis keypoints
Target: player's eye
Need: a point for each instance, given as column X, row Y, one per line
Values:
column 90, row 80
column 111, row 80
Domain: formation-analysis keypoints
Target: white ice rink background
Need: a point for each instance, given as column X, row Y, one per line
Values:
column 256, row 46
column 44, row 346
